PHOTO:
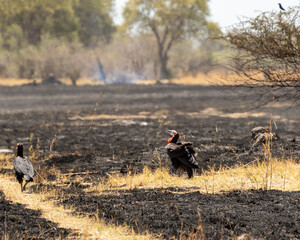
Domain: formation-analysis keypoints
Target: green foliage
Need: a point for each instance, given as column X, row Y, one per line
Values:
column 13, row 38
column 65, row 23
column 170, row 21
column 64, row 38
column 34, row 21
column 87, row 19
column 95, row 21
column 180, row 17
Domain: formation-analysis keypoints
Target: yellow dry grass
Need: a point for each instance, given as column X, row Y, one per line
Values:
column 279, row 174
column 81, row 81
column 223, row 78
column 84, row 227
column 275, row 174
column 10, row 82
column 216, row 77
column 161, row 114
column 87, row 227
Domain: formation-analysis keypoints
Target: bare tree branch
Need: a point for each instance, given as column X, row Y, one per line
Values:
column 267, row 53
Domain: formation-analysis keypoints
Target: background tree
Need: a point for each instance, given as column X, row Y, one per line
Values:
column 95, row 21
column 128, row 58
column 189, row 57
column 267, row 53
column 170, row 21
column 77, row 38
column 89, row 20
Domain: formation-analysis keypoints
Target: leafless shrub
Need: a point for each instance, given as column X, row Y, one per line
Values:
column 267, row 53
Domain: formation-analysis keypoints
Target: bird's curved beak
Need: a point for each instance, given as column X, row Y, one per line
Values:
column 171, row 132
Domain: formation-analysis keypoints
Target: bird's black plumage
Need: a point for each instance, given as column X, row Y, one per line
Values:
column 281, row 7
column 23, row 167
column 182, row 154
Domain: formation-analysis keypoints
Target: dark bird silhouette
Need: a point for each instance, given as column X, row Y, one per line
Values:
column 281, row 7
column 182, row 154
column 23, row 167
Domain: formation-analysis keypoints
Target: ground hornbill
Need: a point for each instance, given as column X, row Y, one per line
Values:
column 23, row 167
column 182, row 154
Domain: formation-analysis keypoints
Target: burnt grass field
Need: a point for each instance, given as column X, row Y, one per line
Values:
column 101, row 130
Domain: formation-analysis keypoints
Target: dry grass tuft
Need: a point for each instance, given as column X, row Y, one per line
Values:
column 87, row 227
column 81, row 81
column 6, row 160
column 84, row 227
column 10, row 82
column 215, row 77
column 272, row 173
column 257, row 175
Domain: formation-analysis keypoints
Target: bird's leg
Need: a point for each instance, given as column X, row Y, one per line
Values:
column 21, row 187
column 25, row 185
column 199, row 170
column 189, row 171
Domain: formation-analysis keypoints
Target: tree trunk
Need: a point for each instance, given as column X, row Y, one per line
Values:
column 164, row 71
column 163, row 48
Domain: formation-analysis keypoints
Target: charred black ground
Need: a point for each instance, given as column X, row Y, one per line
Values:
column 131, row 132
column 17, row 222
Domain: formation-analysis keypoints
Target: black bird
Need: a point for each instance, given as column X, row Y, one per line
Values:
column 182, row 154
column 281, row 7
column 23, row 167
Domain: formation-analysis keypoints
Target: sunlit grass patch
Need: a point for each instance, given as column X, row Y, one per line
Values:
column 280, row 174
column 81, row 81
column 17, row 82
column 6, row 160
column 86, row 227
column 162, row 114
column 10, row 82
column 214, row 77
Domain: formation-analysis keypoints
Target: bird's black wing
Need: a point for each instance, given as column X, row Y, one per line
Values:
column 183, row 153
column 24, row 166
column 189, row 147
column 189, row 159
column 175, row 150
column 186, row 143
column 176, row 163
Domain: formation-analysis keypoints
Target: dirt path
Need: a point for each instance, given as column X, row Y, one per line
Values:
column 33, row 216
column 19, row 221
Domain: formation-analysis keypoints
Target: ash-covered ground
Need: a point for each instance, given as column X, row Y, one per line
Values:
column 100, row 130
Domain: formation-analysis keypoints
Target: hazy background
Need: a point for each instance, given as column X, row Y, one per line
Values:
column 92, row 40
column 229, row 12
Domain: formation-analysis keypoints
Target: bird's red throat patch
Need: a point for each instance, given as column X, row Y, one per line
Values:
column 170, row 139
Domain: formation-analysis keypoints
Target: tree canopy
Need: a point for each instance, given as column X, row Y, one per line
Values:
column 170, row 21
column 73, row 38
column 88, row 20
column 95, row 20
